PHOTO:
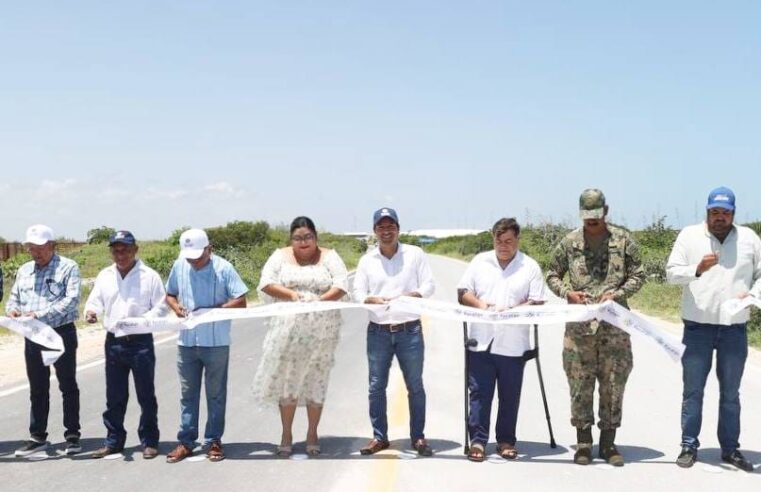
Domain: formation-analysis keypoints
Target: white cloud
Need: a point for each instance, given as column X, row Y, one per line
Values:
column 49, row 185
column 220, row 187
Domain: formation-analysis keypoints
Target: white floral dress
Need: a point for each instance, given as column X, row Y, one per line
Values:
column 299, row 350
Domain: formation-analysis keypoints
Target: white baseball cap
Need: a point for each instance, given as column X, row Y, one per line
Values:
column 39, row 234
column 192, row 243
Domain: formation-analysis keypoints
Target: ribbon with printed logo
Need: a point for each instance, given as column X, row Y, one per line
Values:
column 608, row 311
column 39, row 333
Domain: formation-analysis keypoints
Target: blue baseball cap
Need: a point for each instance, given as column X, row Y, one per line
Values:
column 383, row 213
column 721, row 197
column 121, row 237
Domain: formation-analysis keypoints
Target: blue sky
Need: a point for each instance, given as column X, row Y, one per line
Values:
column 153, row 115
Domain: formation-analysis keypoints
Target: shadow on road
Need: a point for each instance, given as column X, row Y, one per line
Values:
column 333, row 447
column 713, row 456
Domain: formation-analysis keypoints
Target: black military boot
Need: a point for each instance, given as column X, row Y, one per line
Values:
column 608, row 450
column 583, row 454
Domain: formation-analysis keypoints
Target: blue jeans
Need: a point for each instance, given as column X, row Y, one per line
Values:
column 39, row 385
column 731, row 345
column 409, row 349
column 193, row 364
column 133, row 354
column 485, row 370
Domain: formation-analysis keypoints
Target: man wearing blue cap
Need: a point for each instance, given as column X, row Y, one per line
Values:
column 126, row 289
column 391, row 270
column 715, row 261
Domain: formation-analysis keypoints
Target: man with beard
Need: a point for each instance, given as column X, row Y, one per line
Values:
column 391, row 270
column 715, row 261
column 603, row 263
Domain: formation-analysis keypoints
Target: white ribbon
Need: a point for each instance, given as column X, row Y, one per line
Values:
column 139, row 325
column 38, row 332
column 608, row 311
column 734, row 306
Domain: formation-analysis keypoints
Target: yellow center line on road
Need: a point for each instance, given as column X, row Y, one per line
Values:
column 386, row 470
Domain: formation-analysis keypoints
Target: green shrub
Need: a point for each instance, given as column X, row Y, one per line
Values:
column 100, row 235
column 238, row 234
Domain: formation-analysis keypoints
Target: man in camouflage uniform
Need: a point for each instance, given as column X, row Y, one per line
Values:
column 603, row 263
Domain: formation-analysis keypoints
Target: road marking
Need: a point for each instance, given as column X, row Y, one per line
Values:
column 89, row 365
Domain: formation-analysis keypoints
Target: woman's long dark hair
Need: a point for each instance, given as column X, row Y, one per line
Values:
column 302, row 221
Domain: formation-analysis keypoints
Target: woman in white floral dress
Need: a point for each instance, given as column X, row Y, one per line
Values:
column 299, row 349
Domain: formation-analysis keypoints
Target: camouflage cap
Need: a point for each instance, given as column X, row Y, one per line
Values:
column 592, row 204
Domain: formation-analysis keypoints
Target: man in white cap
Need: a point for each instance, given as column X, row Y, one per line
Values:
column 125, row 289
column 47, row 289
column 715, row 261
column 200, row 279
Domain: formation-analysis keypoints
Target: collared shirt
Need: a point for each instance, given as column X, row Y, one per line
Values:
column 407, row 271
column 139, row 293
column 211, row 286
column 50, row 292
column 519, row 282
column 738, row 272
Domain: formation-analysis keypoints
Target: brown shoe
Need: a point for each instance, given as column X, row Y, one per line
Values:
column 179, row 453
column 105, row 451
column 215, row 452
column 422, row 448
column 150, row 452
column 374, row 446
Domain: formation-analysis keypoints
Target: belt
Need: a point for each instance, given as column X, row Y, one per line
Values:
column 396, row 327
column 142, row 337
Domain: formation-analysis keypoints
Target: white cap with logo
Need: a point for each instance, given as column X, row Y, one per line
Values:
column 192, row 243
column 39, row 234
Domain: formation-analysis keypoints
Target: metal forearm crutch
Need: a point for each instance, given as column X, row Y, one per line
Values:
column 466, row 402
column 541, row 386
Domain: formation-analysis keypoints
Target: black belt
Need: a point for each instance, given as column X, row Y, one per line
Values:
column 396, row 327
column 142, row 337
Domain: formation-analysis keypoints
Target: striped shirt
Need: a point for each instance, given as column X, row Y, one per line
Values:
column 50, row 292
column 211, row 286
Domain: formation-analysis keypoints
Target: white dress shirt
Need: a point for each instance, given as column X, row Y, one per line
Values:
column 738, row 272
column 520, row 281
column 139, row 293
column 407, row 271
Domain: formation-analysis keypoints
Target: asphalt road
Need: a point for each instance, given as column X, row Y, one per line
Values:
column 649, row 438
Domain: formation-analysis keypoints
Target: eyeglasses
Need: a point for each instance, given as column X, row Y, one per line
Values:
column 53, row 287
column 303, row 239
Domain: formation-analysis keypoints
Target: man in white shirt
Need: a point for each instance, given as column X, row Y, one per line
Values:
column 715, row 261
column 126, row 289
column 499, row 279
column 391, row 270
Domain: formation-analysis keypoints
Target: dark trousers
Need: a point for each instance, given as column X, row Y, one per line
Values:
column 39, row 385
column 133, row 354
column 485, row 371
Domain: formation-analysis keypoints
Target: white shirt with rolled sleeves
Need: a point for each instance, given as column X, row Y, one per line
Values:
column 520, row 282
column 407, row 271
column 139, row 293
column 738, row 272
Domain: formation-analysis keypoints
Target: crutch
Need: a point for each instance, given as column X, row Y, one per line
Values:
column 553, row 445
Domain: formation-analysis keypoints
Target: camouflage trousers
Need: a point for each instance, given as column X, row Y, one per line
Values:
column 603, row 354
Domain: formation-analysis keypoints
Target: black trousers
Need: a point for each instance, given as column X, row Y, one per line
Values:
column 39, row 385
